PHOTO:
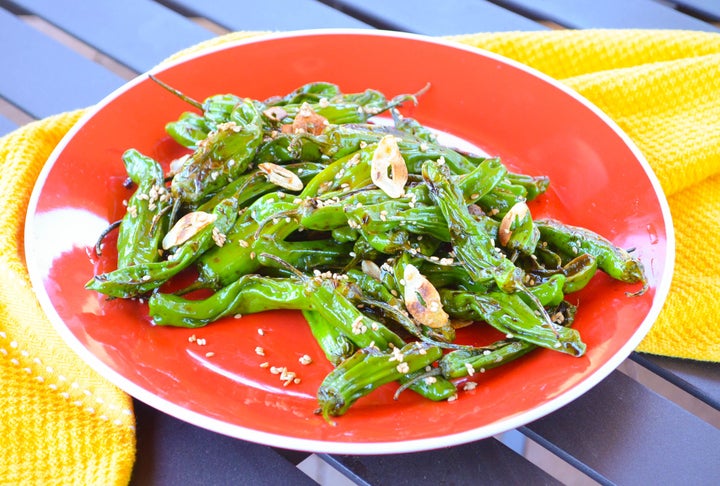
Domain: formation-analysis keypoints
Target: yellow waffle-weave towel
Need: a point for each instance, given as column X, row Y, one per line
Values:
column 63, row 424
column 60, row 423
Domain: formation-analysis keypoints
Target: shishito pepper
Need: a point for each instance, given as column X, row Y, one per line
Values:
column 368, row 369
column 221, row 157
column 571, row 241
column 509, row 314
column 335, row 345
column 471, row 242
column 145, row 222
column 136, row 280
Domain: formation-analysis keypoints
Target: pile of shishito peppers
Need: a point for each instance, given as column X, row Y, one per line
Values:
column 386, row 240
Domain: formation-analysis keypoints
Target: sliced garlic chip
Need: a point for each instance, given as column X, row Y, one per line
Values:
column 176, row 165
column 276, row 113
column 280, row 176
column 307, row 121
column 422, row 300
column 371, row 269
column 520, row 211
column 187, row 227
column 387, row 156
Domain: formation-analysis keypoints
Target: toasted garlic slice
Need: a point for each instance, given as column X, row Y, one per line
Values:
column 306, row 121
column 187, row 227
column 370, row 269
column 280, row 176
column 387, row 156
column 520, row 210
column 276, row 113
column 176, row 165
column 422, row 300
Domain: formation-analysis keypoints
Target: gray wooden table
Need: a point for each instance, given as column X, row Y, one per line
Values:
column 653, row 421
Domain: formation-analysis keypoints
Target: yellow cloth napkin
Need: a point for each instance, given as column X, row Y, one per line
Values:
column 61, row 423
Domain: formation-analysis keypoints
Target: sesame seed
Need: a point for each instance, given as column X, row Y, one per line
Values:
column 305, row 359
column 403, row 368
column 470, row 369
column 209, row 354
column 218, row 237
column 358, row 327
column 259, row 351
column 470, row 385
column 264, row 364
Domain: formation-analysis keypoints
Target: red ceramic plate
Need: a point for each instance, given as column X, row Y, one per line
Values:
column 599, row 180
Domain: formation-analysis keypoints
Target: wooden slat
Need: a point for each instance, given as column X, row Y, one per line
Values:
column 707, row 8
column 700, row 379
column 615, row 14
column 437, row 18
column 172, row 452
column 6, row 126
column 626, row 434
column 482, row 462
column 43, row 77
column 136, row 33
column 275, row 15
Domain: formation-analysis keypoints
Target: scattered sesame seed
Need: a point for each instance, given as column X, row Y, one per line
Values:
column 470, row 385
column 470, row 369
column 259, row 351
column 358, row 327
column 218, row 237
column 209, row 354
column 305, row 359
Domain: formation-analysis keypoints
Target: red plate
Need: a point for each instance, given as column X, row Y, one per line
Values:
column 599, row 180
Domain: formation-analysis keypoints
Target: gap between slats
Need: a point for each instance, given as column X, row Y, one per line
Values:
column 20, row 117
column 671, row 392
